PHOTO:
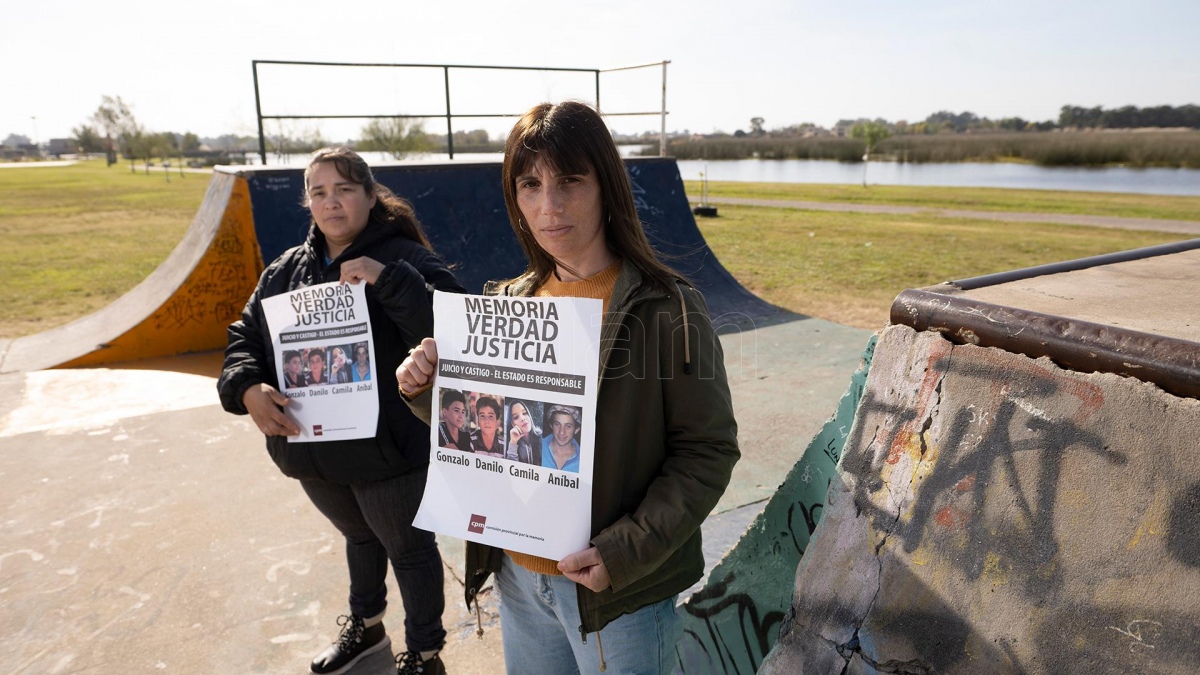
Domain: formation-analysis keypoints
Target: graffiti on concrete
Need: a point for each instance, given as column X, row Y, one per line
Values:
column 216, row 291
column 976, row 450
column 1004, row 518
column 733, row 622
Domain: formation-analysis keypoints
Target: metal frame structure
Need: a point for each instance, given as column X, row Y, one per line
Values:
column 446, row 68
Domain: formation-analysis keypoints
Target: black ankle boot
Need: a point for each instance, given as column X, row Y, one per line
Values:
column 355, row 642
column 411, row 663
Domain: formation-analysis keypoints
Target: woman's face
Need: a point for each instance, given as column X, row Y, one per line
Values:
column 339, row 207
column 563, row 212
column 487, row 419
column 520, row 418
column 339, row 358
column 455, row 415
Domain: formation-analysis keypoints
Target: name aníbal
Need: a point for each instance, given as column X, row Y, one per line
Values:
column 519, row 472
column 453, row 459
column 489, row 466
column 563, row 481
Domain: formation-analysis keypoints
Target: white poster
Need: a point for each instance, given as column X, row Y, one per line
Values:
column 325, row 359
column 514, row 406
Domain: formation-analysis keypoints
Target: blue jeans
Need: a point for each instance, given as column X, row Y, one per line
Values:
column 539, row 623
column 376, row 518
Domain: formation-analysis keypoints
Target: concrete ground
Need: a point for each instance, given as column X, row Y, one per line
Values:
column 143, row 529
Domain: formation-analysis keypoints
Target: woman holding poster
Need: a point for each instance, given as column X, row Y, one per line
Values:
column 369, row 488
column 665, row 438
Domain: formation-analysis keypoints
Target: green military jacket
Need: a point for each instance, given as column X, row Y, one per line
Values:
column 666, row 444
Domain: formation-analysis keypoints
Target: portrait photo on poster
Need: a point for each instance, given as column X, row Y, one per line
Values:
column 524, row 425
column 453, row 413
column 316, row 361
column 339, row 363
column 488, row 438
column 293, row 369
column 360, row 370
column 560, row 446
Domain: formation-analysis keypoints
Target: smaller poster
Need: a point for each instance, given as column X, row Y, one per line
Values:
column 512, row 424
column 325, row 360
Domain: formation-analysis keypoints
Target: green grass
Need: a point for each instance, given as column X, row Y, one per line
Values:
column 982, row 199
column 848, row 267
column 78, row 237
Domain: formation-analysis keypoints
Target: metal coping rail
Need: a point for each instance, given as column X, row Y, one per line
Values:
column 262, row 139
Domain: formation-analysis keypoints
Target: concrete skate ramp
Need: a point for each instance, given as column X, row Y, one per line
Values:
column 462, row 209
column 184, row 305
column 995, row 512
column 250, row 217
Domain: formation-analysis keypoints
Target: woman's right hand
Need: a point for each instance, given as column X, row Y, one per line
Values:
column 417, row 371
column 264, row 403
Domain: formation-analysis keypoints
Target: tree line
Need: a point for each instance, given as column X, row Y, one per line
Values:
column 113, row 129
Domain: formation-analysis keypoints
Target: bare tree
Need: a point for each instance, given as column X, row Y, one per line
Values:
column 118, row 123
column 397, row 136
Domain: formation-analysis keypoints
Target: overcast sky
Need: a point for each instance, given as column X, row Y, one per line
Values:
column 184, row 65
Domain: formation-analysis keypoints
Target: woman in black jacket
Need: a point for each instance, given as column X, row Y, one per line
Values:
column 368, row 488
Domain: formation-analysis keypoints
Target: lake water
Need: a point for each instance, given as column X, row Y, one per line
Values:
column 950, row 174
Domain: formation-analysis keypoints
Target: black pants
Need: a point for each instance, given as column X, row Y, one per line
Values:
column 376, row 519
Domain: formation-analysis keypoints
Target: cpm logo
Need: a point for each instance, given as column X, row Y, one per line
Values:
column 477, row 523
column 317, row 430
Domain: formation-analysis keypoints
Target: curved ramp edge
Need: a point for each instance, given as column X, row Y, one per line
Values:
column 185, row 305
column 731, row 624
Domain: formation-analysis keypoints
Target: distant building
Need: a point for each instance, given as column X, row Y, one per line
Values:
column 61, row 146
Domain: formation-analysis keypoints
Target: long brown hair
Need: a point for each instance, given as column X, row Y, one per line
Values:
column 572, row 138
column 389, row 209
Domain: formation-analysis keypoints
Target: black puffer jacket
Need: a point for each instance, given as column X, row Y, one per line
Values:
column 401, row 314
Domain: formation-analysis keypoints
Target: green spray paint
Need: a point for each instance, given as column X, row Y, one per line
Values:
column 731, row 623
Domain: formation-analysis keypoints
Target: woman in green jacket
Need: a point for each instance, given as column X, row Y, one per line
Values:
column 665, row 437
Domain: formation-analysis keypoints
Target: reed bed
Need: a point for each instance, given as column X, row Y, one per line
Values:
column 1177, row 149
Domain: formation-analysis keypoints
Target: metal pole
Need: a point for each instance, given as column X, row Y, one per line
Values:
column 597, row 91
column 449, row 125
column 662, row 134
column 262, row 139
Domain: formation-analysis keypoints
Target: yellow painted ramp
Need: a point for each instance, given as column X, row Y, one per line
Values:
column 185, row 305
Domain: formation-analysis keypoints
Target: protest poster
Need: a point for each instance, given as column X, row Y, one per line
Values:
column 324, row 358
column 512, row 429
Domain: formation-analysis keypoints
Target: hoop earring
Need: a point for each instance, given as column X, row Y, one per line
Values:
column 521, row 225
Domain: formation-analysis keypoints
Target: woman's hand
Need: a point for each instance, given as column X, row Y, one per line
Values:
column 417, row 370
column 264, row 403
column 515, row 435
column 361, row 269
column 586, row 568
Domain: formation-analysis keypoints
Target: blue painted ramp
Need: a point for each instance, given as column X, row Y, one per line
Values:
column 462, row 209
